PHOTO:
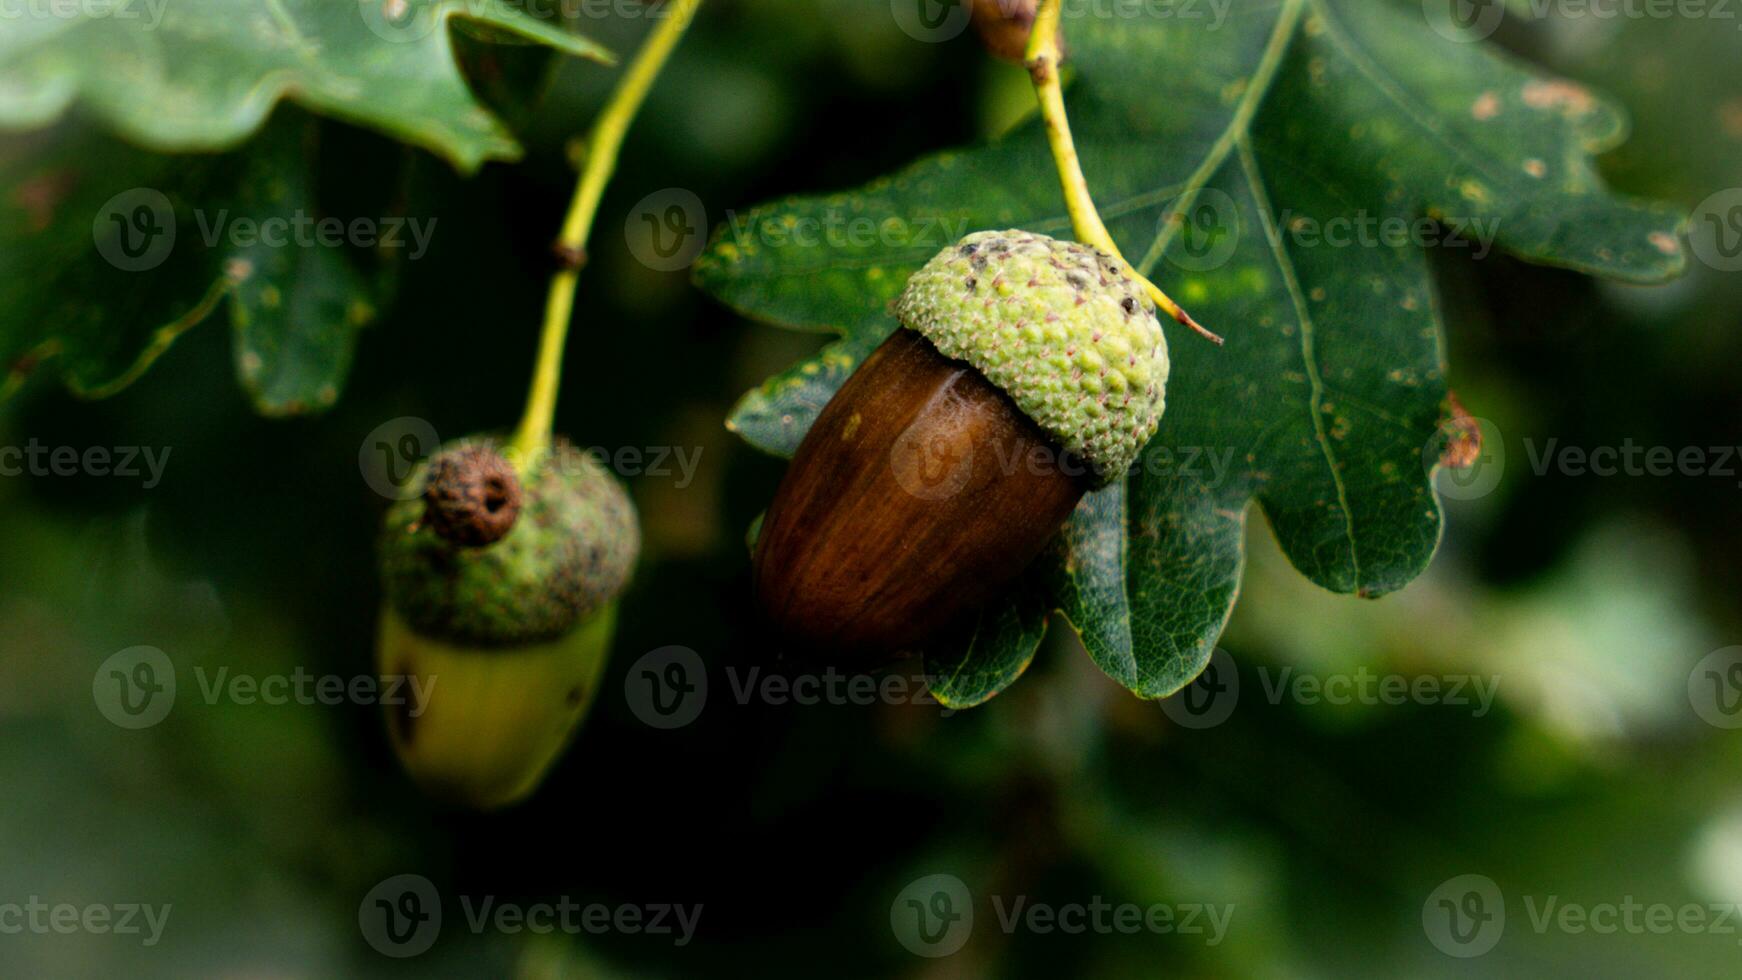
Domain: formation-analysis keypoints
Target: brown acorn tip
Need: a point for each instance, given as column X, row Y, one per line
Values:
column 472, row 496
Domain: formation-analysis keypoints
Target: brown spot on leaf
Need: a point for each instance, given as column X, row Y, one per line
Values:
column 1463, row 436
column 1572, row 100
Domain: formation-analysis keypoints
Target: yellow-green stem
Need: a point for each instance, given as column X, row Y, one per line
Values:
column 601, row 148
column 1042, row 60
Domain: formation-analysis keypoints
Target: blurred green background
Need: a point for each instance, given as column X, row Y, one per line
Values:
column 1590, row 604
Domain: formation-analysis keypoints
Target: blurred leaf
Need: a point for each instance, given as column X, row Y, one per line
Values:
column 108, row 254
column 204, row 75
column 1213, row 150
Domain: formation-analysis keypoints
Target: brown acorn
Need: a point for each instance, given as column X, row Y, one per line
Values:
column 1026, row 372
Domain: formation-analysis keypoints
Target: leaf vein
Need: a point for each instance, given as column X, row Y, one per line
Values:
column 1309, row 362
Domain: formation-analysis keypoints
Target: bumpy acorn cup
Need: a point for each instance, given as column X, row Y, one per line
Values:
column 501, row 598
column 1027, row 371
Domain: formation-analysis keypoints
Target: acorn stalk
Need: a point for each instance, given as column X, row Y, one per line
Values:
column 1025, row 373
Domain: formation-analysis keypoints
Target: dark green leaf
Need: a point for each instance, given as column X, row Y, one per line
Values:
column 205, row 74
column 103, row 266
column 1238, row 166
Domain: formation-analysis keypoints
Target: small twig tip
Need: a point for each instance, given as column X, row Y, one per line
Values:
column 1186, row 319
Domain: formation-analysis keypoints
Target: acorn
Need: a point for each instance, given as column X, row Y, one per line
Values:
column 1025, row 372
column 501, row 593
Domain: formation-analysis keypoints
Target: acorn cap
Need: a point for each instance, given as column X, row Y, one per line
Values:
column 569, row 550
column 1059, row 327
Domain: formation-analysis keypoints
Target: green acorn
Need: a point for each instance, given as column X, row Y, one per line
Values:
column 501, row 593
column 1026, row 372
